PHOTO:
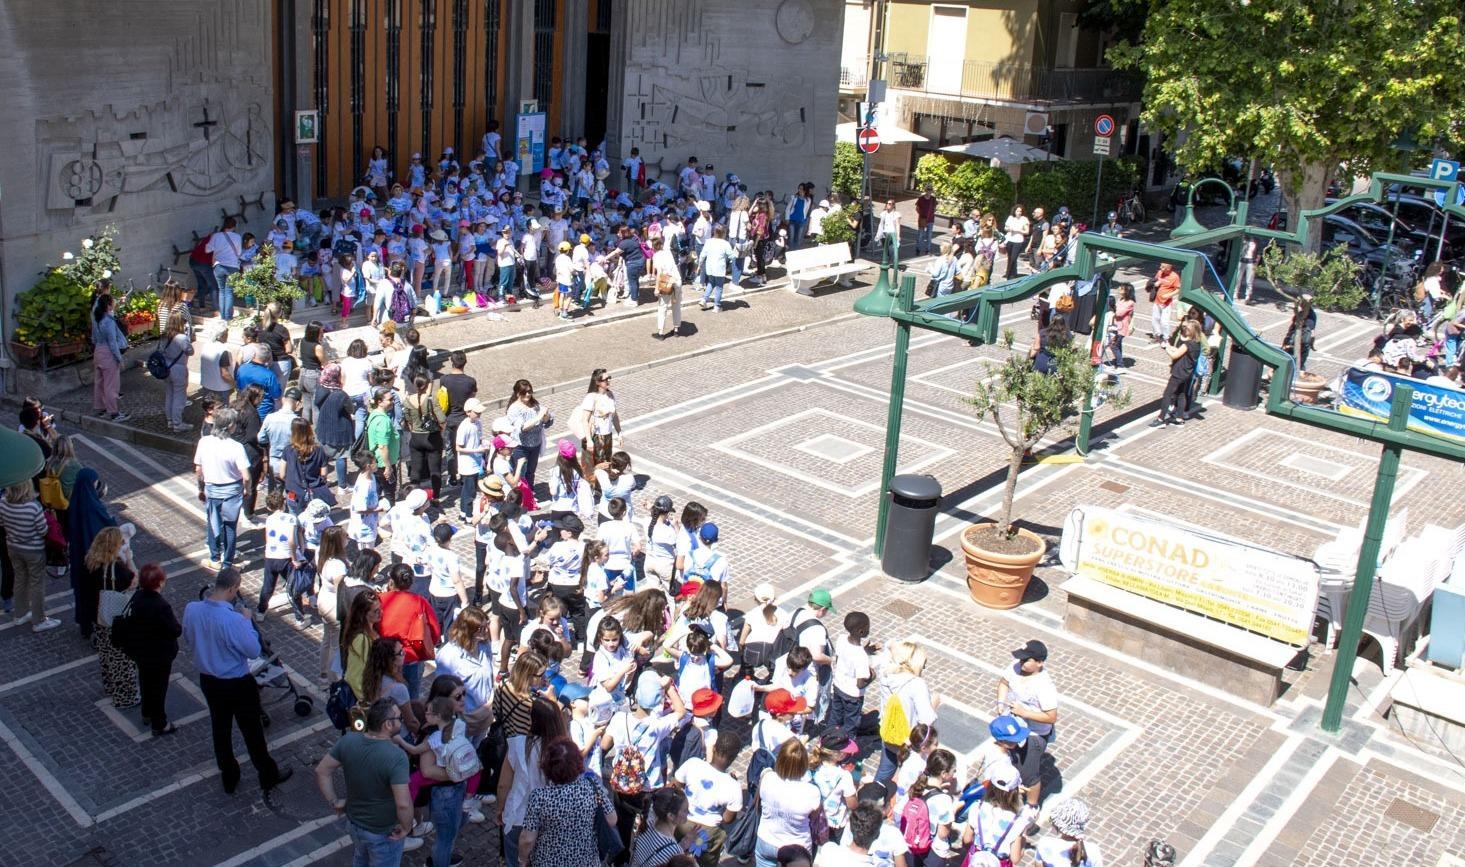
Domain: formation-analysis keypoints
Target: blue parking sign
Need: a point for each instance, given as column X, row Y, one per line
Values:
column 1444, row 170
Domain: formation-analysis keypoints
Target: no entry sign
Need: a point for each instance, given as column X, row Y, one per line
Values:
column 867, row 140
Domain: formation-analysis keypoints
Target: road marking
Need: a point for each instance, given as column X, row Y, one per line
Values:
column 996, row 672
column 1298, row 796
column 14, row 685
column 47, row 779
column 1224, row 823
column 321, row 853
column 1256, row 507
column 151, row 484
column 184, row 782
column 276, row 842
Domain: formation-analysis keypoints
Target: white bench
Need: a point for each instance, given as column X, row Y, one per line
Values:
column 1232, row 659
column 810, row 266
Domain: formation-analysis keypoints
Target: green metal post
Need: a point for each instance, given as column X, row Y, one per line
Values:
column 1368, row 561
column 1086, row 415
column 1218, row 372
column 905, row 298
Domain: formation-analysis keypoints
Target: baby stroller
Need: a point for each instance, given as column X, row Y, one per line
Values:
column 274, row 682
column 270, row 674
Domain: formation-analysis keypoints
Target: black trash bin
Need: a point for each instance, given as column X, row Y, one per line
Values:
column 909, row 526
column 1243, row 381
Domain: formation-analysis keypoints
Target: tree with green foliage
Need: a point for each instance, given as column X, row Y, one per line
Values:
column 848, row 172
column 1325, row 281
column 959, row 187
column 1303, row 85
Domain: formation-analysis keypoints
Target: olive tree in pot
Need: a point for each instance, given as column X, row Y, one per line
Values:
column 1313, row 281
column 1025, row 405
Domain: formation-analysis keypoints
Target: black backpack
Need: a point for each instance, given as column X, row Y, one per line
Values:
column 158, row 364
column 788, row 637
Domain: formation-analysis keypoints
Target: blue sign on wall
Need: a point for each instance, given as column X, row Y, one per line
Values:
column 1436, row 410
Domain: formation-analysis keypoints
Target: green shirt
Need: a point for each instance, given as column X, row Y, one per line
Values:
column 381, row 430
column 372, row 767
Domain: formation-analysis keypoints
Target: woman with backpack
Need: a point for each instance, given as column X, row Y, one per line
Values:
column 905, row 701
column 633, row 742
column 175, row 347
column 787, row 804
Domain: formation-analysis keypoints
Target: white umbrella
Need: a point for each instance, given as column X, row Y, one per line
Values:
column 889, row 134
column 1004, row 150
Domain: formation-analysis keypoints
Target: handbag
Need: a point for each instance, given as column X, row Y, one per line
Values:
column 666, row 284
column 112, row 601
column 124, row 631
column 301, row 581
column 819, row 827
column 1152, row 289
column 607, row 839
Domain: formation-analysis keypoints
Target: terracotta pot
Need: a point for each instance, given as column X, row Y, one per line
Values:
column 1307, row 387
column 997, row 580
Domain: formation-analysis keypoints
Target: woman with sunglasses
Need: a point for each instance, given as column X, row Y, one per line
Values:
column 598, row 423
column 529, row 419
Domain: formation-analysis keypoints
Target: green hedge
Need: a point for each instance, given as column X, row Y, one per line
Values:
column 962, row 186
column 1050, row 185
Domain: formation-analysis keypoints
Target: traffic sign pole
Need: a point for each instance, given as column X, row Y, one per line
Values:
column 1103, row 128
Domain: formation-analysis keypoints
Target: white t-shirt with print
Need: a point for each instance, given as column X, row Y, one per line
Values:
column 442, row 564
column 647, row 736
column 1034, row 692
column 889, row 843
column 836, row 786
column 281, row 529
column 941, row 809
column 710, row 792
column 832, row 854
column 620, row 539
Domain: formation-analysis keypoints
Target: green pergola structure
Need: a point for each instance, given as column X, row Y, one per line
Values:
column 896, row 301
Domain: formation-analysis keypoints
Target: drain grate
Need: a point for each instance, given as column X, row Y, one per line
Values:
column 1412, row 815
column 902, row 609
column 1114, row 487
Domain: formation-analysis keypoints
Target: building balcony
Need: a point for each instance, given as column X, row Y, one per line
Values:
column 854, row 77
column 1013, row 82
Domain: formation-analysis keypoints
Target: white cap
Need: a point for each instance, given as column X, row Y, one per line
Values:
column 764, row 593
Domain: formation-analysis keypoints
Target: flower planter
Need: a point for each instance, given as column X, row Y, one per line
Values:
column 65, row 349
column 998, row 579
column 26, row 351
column 145, row 327
column 1307, row 386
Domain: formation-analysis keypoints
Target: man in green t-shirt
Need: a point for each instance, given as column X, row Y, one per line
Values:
column 377, row 806
column 384, row 439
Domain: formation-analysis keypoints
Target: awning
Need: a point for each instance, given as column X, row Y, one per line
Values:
column 889, row 134
column 1004, row 150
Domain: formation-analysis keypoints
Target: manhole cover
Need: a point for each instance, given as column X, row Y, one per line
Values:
column 902, row 609
column 1412, row 815
column 1114, row 487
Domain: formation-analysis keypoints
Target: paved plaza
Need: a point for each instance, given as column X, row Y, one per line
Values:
column 773, row 415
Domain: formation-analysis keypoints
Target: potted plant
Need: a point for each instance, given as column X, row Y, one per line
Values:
column 1313, row 281
column 56, row 305
column 1025, row 405
column 260, row 283
column 839, row 228
column 139, row 314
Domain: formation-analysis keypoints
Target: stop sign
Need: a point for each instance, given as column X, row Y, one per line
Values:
column 867, row 140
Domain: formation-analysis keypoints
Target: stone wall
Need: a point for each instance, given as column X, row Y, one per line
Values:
column 750, row 87
column 153, row 116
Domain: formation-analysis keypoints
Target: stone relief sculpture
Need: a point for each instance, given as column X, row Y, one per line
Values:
column 210, row 135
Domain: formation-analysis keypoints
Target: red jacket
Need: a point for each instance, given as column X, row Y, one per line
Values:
column 402, row 612
column 926, row 209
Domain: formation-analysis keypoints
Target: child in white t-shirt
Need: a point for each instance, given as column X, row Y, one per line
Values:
column 592, row 574
column 834, row 782
column 700, row 663
column 852, row 672
column 367, row 505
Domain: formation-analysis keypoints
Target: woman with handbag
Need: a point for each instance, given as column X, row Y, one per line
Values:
column 307, row 467
column 564, row 820
column 425, row 419
column 598, row 422
column 109, row 566
column 668, row 282
column 152, row 631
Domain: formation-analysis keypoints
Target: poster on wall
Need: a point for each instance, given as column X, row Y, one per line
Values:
column 529, row 142
column 307, row 127
column 1435, row 409
column 1253, row 588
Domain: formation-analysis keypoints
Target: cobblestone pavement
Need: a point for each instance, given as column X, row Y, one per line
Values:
column 772, row 415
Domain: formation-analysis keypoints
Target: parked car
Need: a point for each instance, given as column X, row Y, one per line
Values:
column 1408, row 226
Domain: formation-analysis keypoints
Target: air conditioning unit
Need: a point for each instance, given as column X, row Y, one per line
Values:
column 1035, row 123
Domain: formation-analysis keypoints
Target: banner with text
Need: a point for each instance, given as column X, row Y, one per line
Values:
column 1436, row 409
column 1252, row 588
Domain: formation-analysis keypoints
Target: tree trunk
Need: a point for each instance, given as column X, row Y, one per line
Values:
column 1014, row 467
column 1305, row 190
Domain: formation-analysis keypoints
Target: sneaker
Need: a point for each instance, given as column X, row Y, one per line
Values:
column 1177, row 421
column 421, row 829
column 48, row 623
column 259, row 616
column 121, row 417
column 23, row 619
column 489, row 798
column 474, row 816
column 1159, row 422
column 411, row 843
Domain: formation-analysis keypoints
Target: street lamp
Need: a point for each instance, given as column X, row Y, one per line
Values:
column 1190, row 225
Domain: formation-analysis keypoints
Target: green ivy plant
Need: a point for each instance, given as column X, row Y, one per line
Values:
column 969, row 184
column 260, row 281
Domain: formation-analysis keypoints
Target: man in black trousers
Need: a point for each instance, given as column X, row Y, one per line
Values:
column 224, row 640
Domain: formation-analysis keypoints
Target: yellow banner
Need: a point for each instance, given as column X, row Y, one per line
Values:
column 1252, row 588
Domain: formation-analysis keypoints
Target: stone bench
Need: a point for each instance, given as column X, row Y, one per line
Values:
column 1217, row 654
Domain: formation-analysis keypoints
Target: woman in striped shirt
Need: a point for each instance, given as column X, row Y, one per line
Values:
column 25, row 539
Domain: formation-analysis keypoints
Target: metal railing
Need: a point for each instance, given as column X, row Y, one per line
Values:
column 854, row 77
column 1018, row 82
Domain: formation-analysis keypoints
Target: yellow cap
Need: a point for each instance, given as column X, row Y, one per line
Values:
column 564, row 246
column 584, row 239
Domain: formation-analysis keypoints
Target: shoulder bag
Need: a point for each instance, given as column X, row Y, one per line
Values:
column 112, row 601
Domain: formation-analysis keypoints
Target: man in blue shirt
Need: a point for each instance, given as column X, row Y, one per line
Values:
column 261, row 372
column 224, row 640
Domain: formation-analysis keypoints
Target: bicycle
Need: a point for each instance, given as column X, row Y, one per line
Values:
column 1131, row 208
